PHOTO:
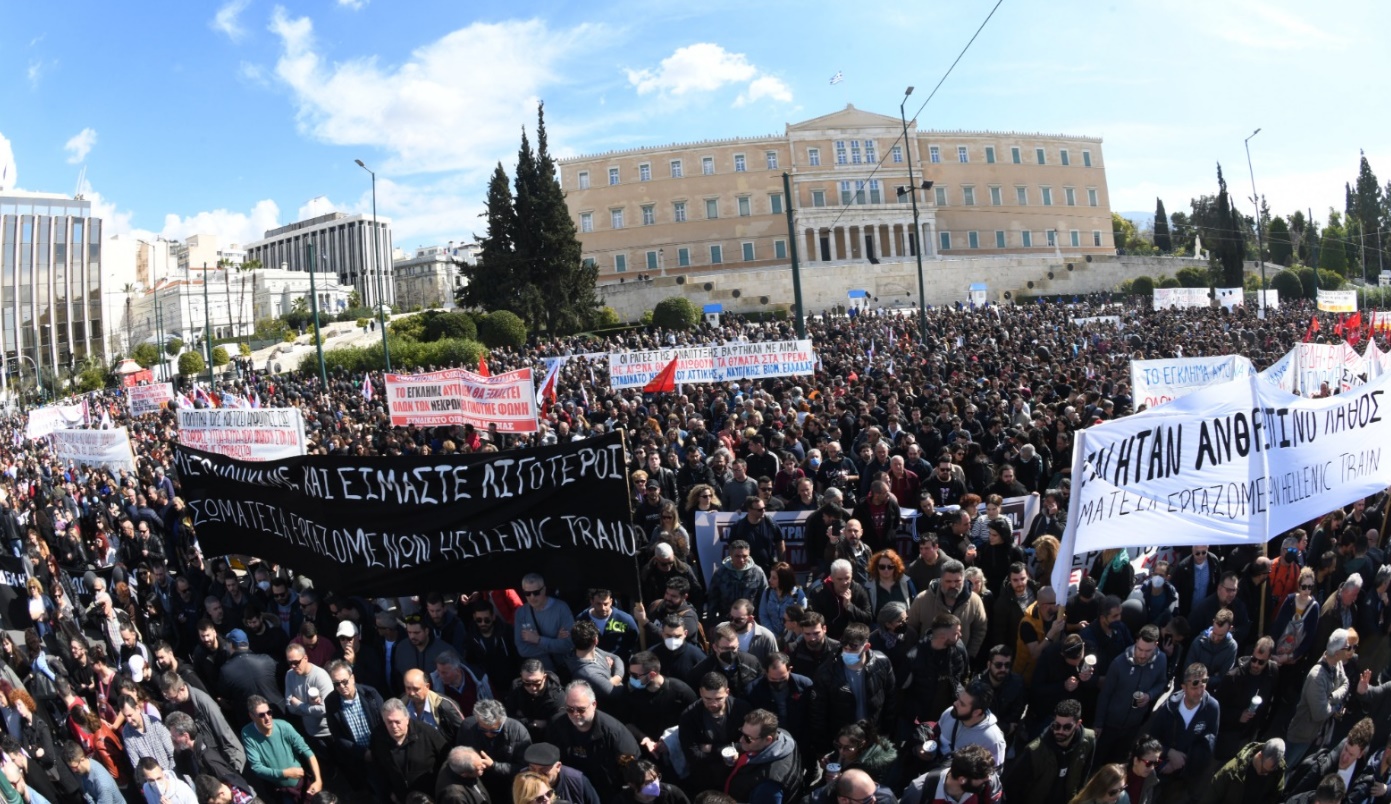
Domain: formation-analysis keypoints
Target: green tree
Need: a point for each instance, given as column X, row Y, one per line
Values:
column 244, row 349
column 1331, row 280
column 1162, row 239
column 1287, row 284
column 1333, row 256
column 220, row 356
column 91, row 375
column 174, row 346
column 146, row 354
column 440, row 325
column 300, row 306
column 675, row 312
column 190, row 363
column 354, row 299
column 1280, row 247
column 608, row 317
column 502, row 328
column 1366, row 209
column 1142, row 286
column 566, row 282
column 1194, row 277
column 1230, row 249
column 493, row 281
column 1124, row 231
column 1169, row 282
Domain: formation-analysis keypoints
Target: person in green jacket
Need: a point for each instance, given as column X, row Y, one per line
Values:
column 1256, row 773
column 276, row 753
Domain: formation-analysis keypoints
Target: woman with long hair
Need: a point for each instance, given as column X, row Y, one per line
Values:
column 888, row 581
column 858, row 747
column 1107, row 786
column 1294, row 629
column 533, row 788
column 669, row 530
column 1142, row 771
column 701, row 497
column 643, row 785
column 782, row 592
column 101, row 743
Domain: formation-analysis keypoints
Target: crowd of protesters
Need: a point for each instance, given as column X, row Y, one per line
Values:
column 135, row 668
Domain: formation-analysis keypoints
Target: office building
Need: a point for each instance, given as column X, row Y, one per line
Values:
column 343, row 244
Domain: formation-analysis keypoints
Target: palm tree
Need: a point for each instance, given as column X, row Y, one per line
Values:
column 129, row 290
column 225, row 265
column 300, row 306
column 249, row 265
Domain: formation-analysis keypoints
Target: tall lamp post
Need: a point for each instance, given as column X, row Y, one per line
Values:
column 917, row 226
column 376, row 262
column 207, row 328
column 1256, row 202
column 314, row 308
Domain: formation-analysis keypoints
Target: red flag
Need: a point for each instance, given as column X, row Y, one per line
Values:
column 1352, row 327
column 483, row 366
column 664, row 382
column 1313, row 328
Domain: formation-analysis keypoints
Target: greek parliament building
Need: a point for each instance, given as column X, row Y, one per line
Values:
column 343, row 244
column 692, row 207
column 50, row 283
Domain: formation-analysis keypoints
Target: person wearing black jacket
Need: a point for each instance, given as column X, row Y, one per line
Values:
column 1251, row 677
column 1348, row 756
column 706, row 728
column 840, row 600
column 504, row 740
column 650, row 702
column 862, row 679
column 408, row 753
column 769, row 768
column 535, row 698
column 1184, row 576
column 738, row 667
column 592, row 742
column 194, row 755
column 349, row 740
column 692, row 473
column 246, row 674
column 789, row 696
column 940, row 665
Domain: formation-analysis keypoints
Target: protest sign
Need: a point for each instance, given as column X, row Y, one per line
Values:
column 1113, row 320
column 1308, row 366
column 248, row 434
column 1181, row 298
column 1236, row 463
column 48, row 420
column 459, row 396
column 721, row 363
column 1231, row 297
column 14, row 594
column 149, row 398
column 108, row 448
column 408, row 525
column 1337, row 301
column 1154, row 382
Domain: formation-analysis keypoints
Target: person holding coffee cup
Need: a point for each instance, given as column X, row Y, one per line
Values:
column 1063, row 673
column 306, row 685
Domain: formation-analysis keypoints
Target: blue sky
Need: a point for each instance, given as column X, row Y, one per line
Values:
column 232, row 118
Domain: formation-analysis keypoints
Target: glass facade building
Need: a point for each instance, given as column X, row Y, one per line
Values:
column 50, row 283
column 342, row 244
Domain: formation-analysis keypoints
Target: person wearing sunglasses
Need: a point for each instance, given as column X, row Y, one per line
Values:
column 532, row 788
column 1194, row 578
column 1323, row 695
column 970, row 776
column 1142, row 770
column 543, row 624
column 768, row 767
column 276, row 754
column 1053, row 766
column 1243, row 716
column 591, row 741
column 1186, row 723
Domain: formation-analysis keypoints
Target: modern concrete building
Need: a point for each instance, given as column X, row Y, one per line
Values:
column 50, row 283
column 694, row 207
column 343, row 244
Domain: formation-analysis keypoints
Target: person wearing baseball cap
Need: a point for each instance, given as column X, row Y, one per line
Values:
column 569, row 784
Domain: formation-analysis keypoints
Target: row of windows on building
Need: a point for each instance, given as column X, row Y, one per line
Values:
column 851, row 192
column 1025, row 239
column 655, row 260
column 847, row 152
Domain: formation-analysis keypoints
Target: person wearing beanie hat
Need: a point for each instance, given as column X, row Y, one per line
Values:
column 1324, row 695
column 894, row 638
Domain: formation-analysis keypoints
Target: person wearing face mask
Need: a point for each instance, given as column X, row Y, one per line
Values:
column 675, row 649
column 738, row 667
column 859, row 687
column 650, row 702
column 643, row 785
column 706, row 728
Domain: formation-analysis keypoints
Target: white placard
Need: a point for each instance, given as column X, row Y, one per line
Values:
column 149, row 398
column 248, row 434
column 707, row 364
column 1230, row 464
column 106, row 448
column 1154, row 382
column 52, row 418
column 459, row 396
column 1338, row 301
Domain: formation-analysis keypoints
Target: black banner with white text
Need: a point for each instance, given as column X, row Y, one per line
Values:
column 392, row 526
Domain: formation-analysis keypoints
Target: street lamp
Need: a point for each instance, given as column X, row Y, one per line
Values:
column 917, row 227
column 314, row 308
column 376, row 262
column 1255, row 201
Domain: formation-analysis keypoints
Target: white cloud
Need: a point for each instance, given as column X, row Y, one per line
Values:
column 114, row 220
column 9, row 169
column 226, row 19
column 455, row 104
column 354, row 5
column 80, row 145
column 314, row 207
column 34, row 74
column 230, row 227
column 707, row 67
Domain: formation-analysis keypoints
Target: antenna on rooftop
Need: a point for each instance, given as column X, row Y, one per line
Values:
column 81, row 178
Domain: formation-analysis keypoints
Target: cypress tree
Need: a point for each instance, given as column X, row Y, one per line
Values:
column 565, row 283
column 493, row 282
column 1280, row 248
column 1162, row 240
column 1230, row 248
column 527, row 202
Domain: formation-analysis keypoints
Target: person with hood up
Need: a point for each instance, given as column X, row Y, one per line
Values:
column 1256, row 773
column 768, row 769
column 738, row 578
column 1133, row 682
column 949, row 595
column 1186, row 724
